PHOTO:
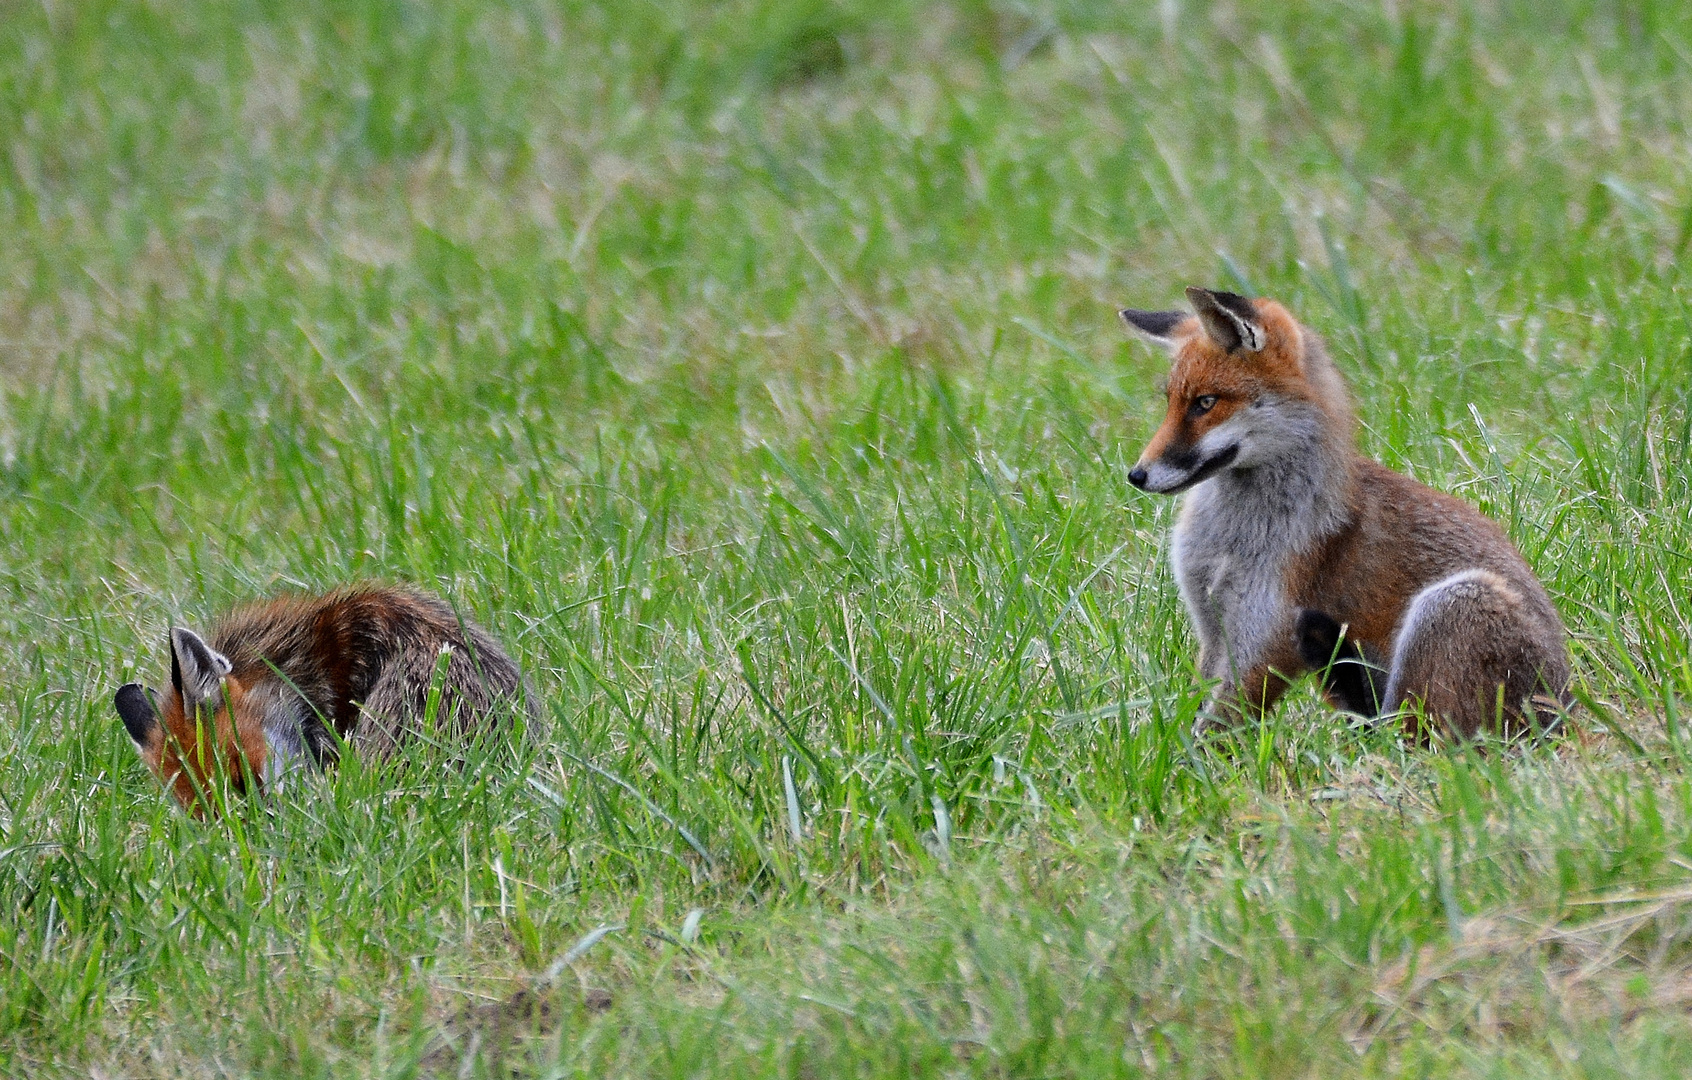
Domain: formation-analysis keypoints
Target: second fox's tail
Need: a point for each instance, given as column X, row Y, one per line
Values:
column 1348, row 678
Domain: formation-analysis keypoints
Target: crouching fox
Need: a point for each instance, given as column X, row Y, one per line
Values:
column 1295, row 553
column 276, row 685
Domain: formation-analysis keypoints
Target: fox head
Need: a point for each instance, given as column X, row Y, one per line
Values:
column 1249, row 387
column 198, row 731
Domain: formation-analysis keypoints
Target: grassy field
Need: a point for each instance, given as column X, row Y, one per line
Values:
column 751, row 369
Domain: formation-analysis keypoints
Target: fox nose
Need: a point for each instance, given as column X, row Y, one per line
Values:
column 1137, row 476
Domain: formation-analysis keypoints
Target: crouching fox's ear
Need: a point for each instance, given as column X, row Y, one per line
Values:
column 1157, row 327
column 135, row 708
column 1228, row 319
column 196, row 669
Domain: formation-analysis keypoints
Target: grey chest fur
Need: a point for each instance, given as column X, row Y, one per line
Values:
column 1232, row 545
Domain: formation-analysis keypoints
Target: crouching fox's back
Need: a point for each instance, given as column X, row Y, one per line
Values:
column 279, row 684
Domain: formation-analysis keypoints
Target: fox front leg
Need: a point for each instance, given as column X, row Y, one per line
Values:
column 1220, row 710
column 1246, row 700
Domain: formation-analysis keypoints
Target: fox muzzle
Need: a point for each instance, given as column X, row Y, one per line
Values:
column 1175, row 472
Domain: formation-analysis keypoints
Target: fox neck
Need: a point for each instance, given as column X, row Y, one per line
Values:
column 1294, row 501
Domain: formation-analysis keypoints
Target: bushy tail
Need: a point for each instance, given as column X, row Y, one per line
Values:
column 1473, row 652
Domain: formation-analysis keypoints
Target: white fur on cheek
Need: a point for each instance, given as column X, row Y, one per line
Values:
column 1273, row 429
column 284, row 748
column 280, row 762
column 1233, row 431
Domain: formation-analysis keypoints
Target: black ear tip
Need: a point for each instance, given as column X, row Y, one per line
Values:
column 135, row 709
column 1160, row 326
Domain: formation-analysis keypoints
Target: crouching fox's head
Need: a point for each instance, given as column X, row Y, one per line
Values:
column 1249, row 387
column 199, row 731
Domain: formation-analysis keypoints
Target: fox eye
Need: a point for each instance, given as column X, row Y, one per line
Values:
column 1204, row 404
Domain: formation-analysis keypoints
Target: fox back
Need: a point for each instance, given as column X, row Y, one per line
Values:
column 1295, row 553
column 280, row 684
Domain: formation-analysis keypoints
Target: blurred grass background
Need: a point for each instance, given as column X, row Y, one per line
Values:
column 752, row 370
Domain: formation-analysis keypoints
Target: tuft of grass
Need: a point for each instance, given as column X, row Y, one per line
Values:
column 751, row 370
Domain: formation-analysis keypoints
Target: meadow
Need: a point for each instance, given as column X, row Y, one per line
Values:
column 752, row 370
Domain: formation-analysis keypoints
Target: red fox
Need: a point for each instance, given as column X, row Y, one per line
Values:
column 1295, row 553
column 263, row 695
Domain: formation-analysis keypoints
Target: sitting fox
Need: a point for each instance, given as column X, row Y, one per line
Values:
column 1295, row 553
column 263, row 695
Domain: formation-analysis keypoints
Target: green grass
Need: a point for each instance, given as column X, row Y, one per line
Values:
column 752, row 371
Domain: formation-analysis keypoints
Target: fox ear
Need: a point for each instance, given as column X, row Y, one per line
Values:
column 196, row 669
column 1157, row 327
column 1228, row 319
column 135, row 708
